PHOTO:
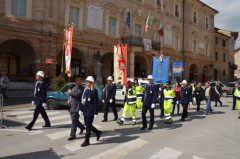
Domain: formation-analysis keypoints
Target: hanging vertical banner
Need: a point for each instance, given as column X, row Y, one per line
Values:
column 68, row 49
column 160, row 69
column 124, row 69
column 120, row 63
column 177, row 68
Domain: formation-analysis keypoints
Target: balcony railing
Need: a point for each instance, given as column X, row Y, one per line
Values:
column 138, row 41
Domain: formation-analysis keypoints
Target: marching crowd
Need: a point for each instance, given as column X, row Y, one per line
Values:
column 85, row 102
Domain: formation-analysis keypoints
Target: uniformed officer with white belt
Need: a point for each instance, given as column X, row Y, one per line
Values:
column 40, row 101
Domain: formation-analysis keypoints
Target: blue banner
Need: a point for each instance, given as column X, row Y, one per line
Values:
column 177, row 68
column 160, row 70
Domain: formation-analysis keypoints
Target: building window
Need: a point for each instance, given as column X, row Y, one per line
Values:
column 194, row 46
column 207, row 23
column 224, row 43
column 138, row 30
column 176, row 10
column 112, row 26
column 216, row 56
column 74, row 16
column 159, row 4
column 195, row 17
column 216, row 40
column 19, row 8
column 224, row 57
column 206, row 51
column 176, row 42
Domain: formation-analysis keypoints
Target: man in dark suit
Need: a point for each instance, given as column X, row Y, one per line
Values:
column 185, row 98
column 40, row 101
column 109, row 99
column 75, row 100
column 149, row 100
column 218, row 94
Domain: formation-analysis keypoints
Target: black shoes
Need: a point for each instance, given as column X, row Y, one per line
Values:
column 150, row 128
column 120, row 122
column 46, row 126
column 71, row 138
column 115, row 119
column 134, row 123
column 85, row 143
column 81, row 131
column 28, row 128
column 104, row 120
column 99, row 135
column 143, row 128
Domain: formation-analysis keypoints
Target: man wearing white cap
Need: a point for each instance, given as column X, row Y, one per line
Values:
column 109, row 99
column 149, row 100
column 185, row 98
column 40, row 101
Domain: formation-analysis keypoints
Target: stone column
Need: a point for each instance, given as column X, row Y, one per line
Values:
column 132, row 57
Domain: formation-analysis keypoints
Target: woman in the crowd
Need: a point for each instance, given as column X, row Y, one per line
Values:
column 176, row 91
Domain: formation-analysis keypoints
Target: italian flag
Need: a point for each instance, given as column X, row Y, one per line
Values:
column 160, row 30
column 161, row 58
column 147, row 21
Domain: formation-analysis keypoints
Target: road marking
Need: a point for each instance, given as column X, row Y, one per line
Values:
column 30, row 116
column 122, row 150
column 59, row 135
column 32, row 132
column 196, row 157
column 74, row 146
column 167, row 153
column 21, row 112
column 55, row 125
column 51, row 119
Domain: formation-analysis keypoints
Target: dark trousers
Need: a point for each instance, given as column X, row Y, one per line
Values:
column 3, row 90
column 198, row 103
column 39, row 110
column 185, row 111
column 75, row 123
column 161, row 109
column 88, row 120
column 106, row 109
column 174, row 104
column 144, row 118
column 217, row 99
column 234, row 103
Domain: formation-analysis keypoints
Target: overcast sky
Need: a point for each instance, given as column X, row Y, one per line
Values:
column 228, row 17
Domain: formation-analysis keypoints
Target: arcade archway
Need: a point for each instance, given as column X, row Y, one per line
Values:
column 140, row 67
column 193, row 73
column 17, row 60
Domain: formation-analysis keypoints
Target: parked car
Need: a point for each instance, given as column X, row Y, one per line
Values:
column 226, row 87
column 58, row 98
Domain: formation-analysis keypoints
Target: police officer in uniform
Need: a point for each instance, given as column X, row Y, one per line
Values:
column 185, row 98
column 149, row 100
column 75, row 103
column 40, row 101
column 89, row 108
column 109, row 99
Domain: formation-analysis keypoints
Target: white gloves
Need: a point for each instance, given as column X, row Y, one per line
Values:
column 33, row 103
column 177, row 102
column 142, row 104
column 44, row 104
column 95, row 116
column 153, row 106
column 80, row 112
column 190, row 103
column 110, row 101
column 102, row 101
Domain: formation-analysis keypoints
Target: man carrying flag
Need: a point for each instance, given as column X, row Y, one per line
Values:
column 147, row 22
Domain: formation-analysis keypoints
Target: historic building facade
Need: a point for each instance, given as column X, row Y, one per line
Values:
column 237, row 62
column 31, row 31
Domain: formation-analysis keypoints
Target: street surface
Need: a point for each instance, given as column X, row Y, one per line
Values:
column 201, row 136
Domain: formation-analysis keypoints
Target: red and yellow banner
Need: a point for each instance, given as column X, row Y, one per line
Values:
column 68, row 49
